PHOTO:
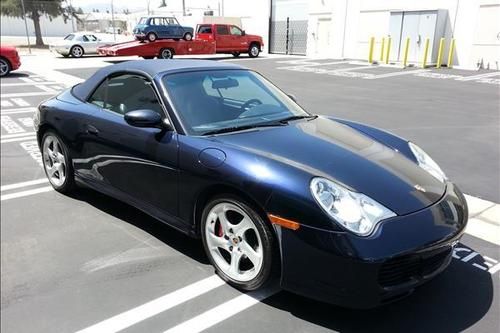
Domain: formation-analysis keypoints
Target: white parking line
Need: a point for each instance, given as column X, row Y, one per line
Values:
column 26, row 193
column 20, row 110
column 23, row 184
column 30, row 137
column 222, row 312
column 154, row 307
column 8, row 136
column 39, row 93
column 17, row 84
column 20, row 102
column 5, row 103
column 479, row 76
column 381, row 76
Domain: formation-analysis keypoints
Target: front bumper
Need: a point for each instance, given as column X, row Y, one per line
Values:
column 364, row 272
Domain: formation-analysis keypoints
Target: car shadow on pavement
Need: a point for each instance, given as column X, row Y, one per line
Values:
column 175, row 239
column 452, row 302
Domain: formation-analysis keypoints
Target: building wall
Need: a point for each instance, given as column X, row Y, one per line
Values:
column 12, row 26
column 475, row 25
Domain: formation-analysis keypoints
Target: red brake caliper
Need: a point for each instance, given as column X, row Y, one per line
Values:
column 219, row 230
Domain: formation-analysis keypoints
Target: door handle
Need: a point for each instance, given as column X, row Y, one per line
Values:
column 92, row 130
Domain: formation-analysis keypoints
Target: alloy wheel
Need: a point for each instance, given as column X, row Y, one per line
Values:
column 54, row 161
column 254, row 51
column 234, row 242
column 4, row 67
column 77, row 51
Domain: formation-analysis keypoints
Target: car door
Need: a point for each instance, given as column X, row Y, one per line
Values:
column 223, row 38
column 238, row 41
column 138, row 165
column 91, row 43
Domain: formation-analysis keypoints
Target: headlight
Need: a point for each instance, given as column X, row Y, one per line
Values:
column 354, row 211
column 427, row 163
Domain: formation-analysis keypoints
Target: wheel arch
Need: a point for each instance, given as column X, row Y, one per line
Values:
column 42, row 130
column 219, row 189
column 6, row 59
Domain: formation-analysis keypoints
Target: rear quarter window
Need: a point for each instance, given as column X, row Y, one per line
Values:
column 205, row 29
column 222, row 30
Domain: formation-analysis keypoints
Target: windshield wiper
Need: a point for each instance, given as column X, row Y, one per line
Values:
column 241, row 128
column 288, row 119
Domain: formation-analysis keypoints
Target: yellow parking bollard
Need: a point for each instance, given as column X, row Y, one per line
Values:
column 426, row 51
column 440, row 53
column 450, row 53
column 407, row 47
column 382, row 49
column 388, row 50
column 370, row 52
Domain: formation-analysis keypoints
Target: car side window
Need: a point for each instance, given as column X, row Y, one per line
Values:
column 205, row 29
column 84, row 38
column 127, row 92
column 92, row 38
column 235, row 31
column 222, row 30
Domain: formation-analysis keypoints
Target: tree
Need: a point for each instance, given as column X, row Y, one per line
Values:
column 36, row 9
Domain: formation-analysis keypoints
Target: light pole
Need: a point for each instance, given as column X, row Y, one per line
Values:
column 113, row 21
column 26, row 26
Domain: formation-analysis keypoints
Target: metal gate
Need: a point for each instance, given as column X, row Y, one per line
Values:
column 288, row 37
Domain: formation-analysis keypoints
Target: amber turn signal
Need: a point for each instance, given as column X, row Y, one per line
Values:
column 289, row 224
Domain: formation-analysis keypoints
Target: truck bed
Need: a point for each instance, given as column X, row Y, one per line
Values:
column 153, row 49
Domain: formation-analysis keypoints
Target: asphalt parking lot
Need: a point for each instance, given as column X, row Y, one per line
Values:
column 89, row 262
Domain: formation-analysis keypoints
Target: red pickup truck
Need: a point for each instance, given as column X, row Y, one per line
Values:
column 210, row 39
column 230, row 39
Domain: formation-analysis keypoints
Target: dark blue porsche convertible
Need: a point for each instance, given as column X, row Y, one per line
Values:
column 339, row 211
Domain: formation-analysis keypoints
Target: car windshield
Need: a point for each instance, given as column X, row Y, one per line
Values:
column 69, row 37
column 228, row 100
column 143, row 20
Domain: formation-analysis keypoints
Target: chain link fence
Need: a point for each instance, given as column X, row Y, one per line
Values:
column 288, row 37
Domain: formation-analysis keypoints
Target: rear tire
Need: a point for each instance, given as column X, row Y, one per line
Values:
column 151, row 37
column 57, row 163
column 166, row 54
column 5, row 67
column 227, row 244
column 188, row 36
column 77, row 51
column 253, row 50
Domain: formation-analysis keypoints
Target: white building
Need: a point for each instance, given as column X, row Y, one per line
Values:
column 343, row 28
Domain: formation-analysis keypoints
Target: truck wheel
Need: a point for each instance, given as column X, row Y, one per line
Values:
column 152, row 37
column 188, row 36
column 236, row 54
column 254, row 50
column 166, row 54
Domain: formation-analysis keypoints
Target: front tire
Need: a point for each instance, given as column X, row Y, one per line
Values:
column 238, row 242
column 152, row 37
column 5, row 67
column 254, row 50
column 188, row 36
column 57, row 163
column 77, row 51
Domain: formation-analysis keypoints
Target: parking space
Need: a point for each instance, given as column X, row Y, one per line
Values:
column 88, row 262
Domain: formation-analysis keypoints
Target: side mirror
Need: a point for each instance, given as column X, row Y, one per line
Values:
column 146, row 118
column 292, row 97
column 243, row 33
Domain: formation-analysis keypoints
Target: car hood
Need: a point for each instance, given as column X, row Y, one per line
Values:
column 323, row 147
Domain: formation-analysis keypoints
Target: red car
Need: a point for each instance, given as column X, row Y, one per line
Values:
column 9, row 59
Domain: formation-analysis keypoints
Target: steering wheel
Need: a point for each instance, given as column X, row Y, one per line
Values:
column 248, row 103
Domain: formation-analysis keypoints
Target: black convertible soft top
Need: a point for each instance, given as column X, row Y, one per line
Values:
column 149, row 68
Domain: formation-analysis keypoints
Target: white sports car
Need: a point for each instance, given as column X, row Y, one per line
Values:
column 77, row 44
